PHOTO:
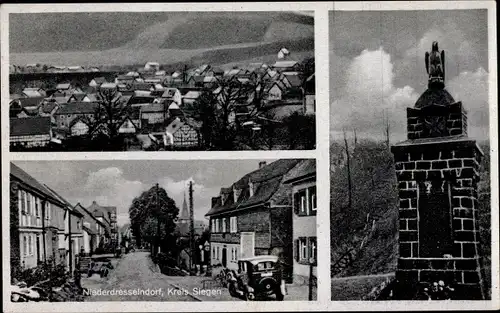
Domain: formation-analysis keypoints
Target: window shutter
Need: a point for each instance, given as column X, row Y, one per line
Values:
column 309, row 248
column 296, row 199
column 297, row 247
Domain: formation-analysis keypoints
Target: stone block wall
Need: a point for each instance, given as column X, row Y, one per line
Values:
column 455, row 115
column 455, row 161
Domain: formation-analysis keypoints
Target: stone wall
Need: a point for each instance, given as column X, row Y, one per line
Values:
column 455, row 161
column 455, row 116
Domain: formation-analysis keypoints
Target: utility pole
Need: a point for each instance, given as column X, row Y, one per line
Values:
column 348, row 170
column 191, row 227
column 157, row 219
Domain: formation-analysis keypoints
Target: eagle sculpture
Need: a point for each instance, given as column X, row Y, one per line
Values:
column 434, row 63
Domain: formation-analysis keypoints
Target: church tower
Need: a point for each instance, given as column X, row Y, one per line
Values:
column 184, row 217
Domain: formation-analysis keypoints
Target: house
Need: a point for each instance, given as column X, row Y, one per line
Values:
column 154, row 113
column 66, row 114
column 283, row 53
column 107, row 216
column 286, row 66
column 160, row 74
column 172, row 94
column 16, row 106
column 97, row 81
column 92, row 230
column 80, row 97
column 254, row 217
column 37, row 222
column 76, row 234
column 76, row 68
column 310, row 95
column 133, row 74
column 190, row 97
column 129, row 126
column 143, row 86
column 47, row 109
column 302, row 178
column 33, row 92
column 276, row 91
column 30, row 132
column 61, row 217
column 291, row 79
column 182, row 132
column 67, row 89
column 79, row 126
column 152, row 66
column 140, row 99
column 124, row 79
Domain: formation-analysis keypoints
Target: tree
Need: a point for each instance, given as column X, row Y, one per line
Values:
column 153, row 216
column 217, row 111
column 301, row 130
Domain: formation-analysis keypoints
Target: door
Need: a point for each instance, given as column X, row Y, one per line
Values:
column 224, row 257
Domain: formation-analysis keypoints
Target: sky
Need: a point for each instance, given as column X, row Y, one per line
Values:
column 377, row 65
column 117, row 183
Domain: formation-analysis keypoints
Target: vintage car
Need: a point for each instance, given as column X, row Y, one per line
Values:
column 258, row 276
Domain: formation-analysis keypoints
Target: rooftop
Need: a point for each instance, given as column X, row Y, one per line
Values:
column 30, row 126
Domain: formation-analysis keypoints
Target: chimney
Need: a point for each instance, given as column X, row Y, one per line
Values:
column 262, row 164
column 215, row 201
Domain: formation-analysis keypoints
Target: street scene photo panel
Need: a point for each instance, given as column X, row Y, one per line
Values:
column 410, row 155
column 206, row 230
column 156, row 81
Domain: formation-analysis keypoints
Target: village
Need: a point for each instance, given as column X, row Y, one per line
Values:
column 263, row 226
column 248, row 107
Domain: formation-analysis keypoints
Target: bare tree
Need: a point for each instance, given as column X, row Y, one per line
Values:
column 349, row 183
column 110, row 112
column 387, row 127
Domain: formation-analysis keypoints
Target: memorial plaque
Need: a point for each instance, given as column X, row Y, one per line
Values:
column 435, row 223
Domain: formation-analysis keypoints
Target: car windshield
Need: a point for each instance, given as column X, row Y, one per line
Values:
column 264, row 266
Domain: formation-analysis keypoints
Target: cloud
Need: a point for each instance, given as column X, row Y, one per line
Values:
column 461, row 54
column 176, row 189
column 108, row 186
column 369, row 91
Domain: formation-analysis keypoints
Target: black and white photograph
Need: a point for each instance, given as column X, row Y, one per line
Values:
column 410, row 155
column 143, row 230
column 162, row 81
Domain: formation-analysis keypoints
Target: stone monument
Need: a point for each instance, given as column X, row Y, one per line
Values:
column 437, row 171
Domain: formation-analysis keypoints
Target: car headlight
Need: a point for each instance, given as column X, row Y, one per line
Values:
column 250, row 289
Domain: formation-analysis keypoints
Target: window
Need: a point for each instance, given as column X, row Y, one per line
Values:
column 30, row 245
column 25, row 245
column 22, row 201
column 217, row 228
column 217, row 254
column 213, row 253
column 306, row 250
column 303, row 249
column 313, row 250
column 29, row 209
column 233, row 224
column 212, row 221
column 303, row 205
column 224, row 221
column 37, row 206
column 312, row 200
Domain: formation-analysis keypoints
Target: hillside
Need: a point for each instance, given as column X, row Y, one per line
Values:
column 129, row 38
column 375, row 193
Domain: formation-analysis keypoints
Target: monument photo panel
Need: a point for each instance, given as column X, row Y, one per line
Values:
column 409, row 155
